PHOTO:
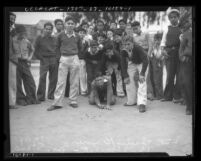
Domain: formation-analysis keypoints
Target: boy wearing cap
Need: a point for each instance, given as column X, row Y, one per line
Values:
column 185, row 57
column 134, row 64
column 24, row 50
column 92, row 58
column 83, row 73
column 45, row 51
column 170, row 50
column 101, row 91
column 68, row 46
column 144, row 40
column 110, row 63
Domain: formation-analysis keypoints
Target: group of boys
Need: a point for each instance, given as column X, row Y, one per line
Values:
column 102, row 64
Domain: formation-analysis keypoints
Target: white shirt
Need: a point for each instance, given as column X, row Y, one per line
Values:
column 70, row 35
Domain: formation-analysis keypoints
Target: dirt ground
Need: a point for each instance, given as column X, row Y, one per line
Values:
column 163, row 128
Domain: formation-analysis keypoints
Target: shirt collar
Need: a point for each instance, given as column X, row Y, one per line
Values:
column 70, row 35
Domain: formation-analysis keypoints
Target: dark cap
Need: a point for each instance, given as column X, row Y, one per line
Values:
column 69, row 18
column 135, row 23
column 122, row 20
column 20, row 29
column 93, row 43
column 118, row 32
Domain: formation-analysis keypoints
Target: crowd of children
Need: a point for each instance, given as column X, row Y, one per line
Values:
column 103, row 64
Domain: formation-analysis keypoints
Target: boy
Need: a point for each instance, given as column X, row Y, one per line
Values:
column 45, row 51
column 110, row 34
column 156, row 67
column 83, row 73
column 133, row 61
column 68, row 46
column 143, row 39
column 113, row 25
column 110, row 63
column 92, row 58
column 185, row 57
column 24, row 49
column 100, row 29
column 59, row 25
column 101, row 91
column 170, row 50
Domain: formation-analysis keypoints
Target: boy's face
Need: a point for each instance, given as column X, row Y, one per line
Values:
column 122, row 25
column 59, row 26
column 113, row 26
column 94, row 49
column 70, row 25
column 12, row 19
column 90, row 30
column 48, row 30
column 82, row 34
column 173, row 18
column 109, row 34
column 85, row 27
column 109, row 52
column 128, row 45
column 101, row 39
column 117, row 38
column 129, row 30
column 137, row 29
column 100, row 26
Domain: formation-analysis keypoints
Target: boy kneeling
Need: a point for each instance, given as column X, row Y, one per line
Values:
column 101, row 91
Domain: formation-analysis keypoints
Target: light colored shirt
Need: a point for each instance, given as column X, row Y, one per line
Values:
column 70, row 35
column 22, row 48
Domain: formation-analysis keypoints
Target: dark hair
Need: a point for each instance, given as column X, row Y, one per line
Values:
column 11, row 13
column 158, row 36
column 69, row 18
column 102, row 35
column 58, row 20
column 84, row 23
column 100, row 22
column 135, row 23
column 48, row 24
column 127, row 38
column 118, row 32
column 20, row 29
column 110, row 30
column 81, row 29
column 122, row 20
column 113, row 22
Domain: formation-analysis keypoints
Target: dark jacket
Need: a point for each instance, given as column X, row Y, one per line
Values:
column 138, row 56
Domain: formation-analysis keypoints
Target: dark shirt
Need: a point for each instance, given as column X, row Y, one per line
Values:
column 90, row 58
column 172, row 38
column 186, row 44
column 83, row 50
column 138, row 56
column 45, row 47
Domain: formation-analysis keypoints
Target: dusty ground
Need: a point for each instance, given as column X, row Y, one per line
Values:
column 163, row 128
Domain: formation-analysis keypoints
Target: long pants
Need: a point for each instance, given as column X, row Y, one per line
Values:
column 97, row 94
column 91, row 75
column 113, row 67
column 67, row 90
column 67, row 64
column 83, row 77
column 49, row 64
column 186, row 82
column 150, row 88
column 136, row 91
column 172, row 90
column 12, row 83
column 25, row 77
column 156, row 72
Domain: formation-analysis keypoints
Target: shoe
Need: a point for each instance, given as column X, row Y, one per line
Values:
column 142, row 108
column 13, row 107
column 188, row 112
column 126, row 104
column 165, row 99
column 74, row 105
column 51, row 98
column 41, row 100
column 51, row 108
column 177, row 100
column 22, row 103
column 37, row 102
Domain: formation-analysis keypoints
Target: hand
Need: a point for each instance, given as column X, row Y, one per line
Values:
column 184, row 59
column 141, row 78
column 29, row 58
column 127, row 80
column 108, row 107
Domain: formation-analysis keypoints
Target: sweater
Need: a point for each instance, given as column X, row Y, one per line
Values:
column 172, row 38
column 67, row 46
column 45, row 47
column 138, row 56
